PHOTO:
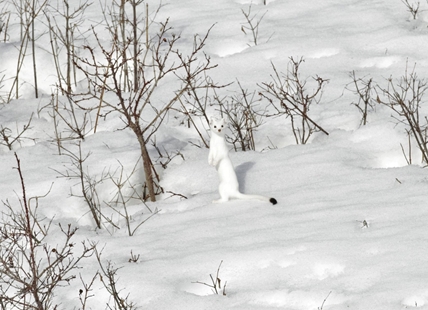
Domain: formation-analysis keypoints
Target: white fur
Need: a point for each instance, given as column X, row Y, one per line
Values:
column 219, row 157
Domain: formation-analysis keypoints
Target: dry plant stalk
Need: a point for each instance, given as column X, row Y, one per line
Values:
column 8, row 139
column 252, row 24
column 364, row 89
column 63, row 24
column 108, row 277
column 215, row 284
column 412, row 8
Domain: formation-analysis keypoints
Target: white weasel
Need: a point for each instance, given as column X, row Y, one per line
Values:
column 219, row 157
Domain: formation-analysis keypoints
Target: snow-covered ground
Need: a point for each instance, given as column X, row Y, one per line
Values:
column 350, row 227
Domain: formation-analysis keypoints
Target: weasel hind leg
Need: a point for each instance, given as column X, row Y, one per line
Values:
column 223, row 198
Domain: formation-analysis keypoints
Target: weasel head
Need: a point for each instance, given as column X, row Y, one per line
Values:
column 217, row 126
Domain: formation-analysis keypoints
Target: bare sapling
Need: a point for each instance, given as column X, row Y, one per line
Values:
column 161, row 62
column 31, row 268
column 288, row 95
column 364, row 89
column 405, row 97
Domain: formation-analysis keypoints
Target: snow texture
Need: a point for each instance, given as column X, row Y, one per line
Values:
column 351, row 217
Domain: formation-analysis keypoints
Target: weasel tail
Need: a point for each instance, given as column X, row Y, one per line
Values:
column 219, row 157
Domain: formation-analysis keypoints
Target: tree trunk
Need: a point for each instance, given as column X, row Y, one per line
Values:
column 147, row 167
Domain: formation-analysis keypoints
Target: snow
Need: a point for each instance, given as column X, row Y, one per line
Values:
column 349, row 228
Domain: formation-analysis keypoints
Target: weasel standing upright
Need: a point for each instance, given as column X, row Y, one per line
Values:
column 219, row 157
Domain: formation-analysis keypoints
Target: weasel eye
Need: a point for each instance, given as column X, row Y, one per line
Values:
column 221, row 126
column 215, row 126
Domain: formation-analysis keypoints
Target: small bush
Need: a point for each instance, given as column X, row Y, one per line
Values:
column 287, row 94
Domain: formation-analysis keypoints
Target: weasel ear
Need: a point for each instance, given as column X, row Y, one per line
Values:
column 211, row 120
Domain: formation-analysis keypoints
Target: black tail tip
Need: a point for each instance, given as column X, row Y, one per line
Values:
column 273, row 201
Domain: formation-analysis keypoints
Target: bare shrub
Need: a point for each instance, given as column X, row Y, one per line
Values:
column 87, row 183
column 134, row 258
column 244, row 115
column 404, row 97
column 31, row 268
column 287, row 94
column 125, row 193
